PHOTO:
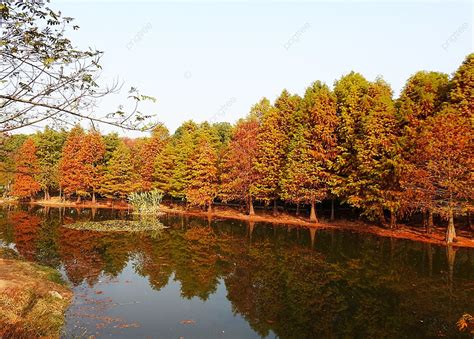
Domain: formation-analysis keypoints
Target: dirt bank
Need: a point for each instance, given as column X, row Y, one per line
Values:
column 33, row 299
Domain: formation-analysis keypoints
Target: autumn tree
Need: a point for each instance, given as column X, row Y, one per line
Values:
column 71, row 169
column 119, row 178
column 202, row 187
column 308, row 173
column 146, row 155
column 9, row 145
column 27, row 168
column 92, row 153
column 49, row 144
column 422, row 97
column 444, row 172
column 239, row 174
column 79, row 166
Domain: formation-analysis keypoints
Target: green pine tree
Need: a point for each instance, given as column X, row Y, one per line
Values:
column 119, row 179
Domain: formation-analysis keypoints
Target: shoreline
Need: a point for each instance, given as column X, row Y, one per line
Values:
column 436, row 237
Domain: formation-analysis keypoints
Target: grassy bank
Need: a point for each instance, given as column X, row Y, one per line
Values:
column 33, row 298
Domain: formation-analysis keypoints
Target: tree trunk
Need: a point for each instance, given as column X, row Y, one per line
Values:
column 78, row 201
column 393, row 220
column 312, row 216
column 450, row 232
column 451, row 258
column 469, row 221
column 298, row 209
column 93, row 197
column 209, row 207
column 251, row 227
column 382, row 218
column 251, row 210
column 429, row 224
column 312, row 233
column 332, row 210
column 275, row 208
column 430, row 259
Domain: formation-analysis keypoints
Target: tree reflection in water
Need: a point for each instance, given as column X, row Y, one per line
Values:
column 292, row 282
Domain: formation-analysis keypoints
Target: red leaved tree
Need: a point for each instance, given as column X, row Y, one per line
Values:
column 239, row 175
column 26, row 185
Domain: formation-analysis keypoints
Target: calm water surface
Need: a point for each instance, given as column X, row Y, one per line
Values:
column 213, row 278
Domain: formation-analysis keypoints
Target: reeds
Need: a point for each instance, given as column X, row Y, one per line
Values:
column 145, row 202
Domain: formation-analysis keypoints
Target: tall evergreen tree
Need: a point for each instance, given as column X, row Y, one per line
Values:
column 164, row 166
column 119, row 178
column 352, row 106
column 203, row 177
column 184, row 140
column 111, row 142
column 279, row 123
column 49, row 144
column 373, row 185
column 308, row 173
column 461, row 93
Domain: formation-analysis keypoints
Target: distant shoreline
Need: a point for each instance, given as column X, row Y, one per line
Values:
column 436, row 237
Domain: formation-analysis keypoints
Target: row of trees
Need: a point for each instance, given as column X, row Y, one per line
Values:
column 354, row 143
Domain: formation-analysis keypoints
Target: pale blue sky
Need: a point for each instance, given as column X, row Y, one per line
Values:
column 214, row 60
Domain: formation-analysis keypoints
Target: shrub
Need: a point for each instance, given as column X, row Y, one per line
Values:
column 145, row 202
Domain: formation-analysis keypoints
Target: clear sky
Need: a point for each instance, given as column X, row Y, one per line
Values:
column 214, row 60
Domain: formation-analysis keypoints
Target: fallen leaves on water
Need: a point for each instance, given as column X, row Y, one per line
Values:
column 132, row 325
column 118, row 225
column 187, row 322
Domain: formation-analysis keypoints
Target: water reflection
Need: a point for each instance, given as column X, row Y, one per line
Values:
column 249, row 279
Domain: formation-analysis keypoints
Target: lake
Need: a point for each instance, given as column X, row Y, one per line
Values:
column 216, row 278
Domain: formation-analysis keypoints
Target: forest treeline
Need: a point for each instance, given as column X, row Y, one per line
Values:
column 354, row 143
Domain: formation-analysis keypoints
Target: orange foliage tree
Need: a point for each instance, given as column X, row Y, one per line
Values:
column 27, row 167
column 147, row 151
column 239, row 175
column 443, row 172
column 79, row 166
